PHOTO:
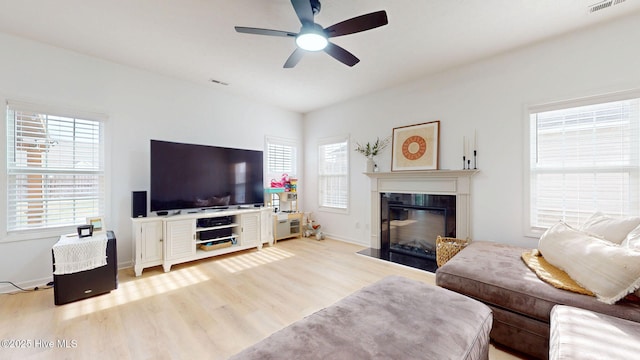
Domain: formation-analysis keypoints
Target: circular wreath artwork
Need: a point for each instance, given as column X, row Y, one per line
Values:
column 414, row 147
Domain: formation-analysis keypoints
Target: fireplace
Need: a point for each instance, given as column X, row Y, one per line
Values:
column 410, row 209
column 410, row 223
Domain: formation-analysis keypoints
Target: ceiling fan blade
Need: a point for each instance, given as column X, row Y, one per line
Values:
column 358, row 24
column 294, row 58
column 341, row 54
column 258, row 31
column 304, row 11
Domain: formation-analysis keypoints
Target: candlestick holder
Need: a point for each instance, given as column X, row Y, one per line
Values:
column 475, row 160
column 464, row 162
column 469, row 164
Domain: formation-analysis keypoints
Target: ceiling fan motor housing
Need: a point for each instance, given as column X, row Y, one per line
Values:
column 315, row 6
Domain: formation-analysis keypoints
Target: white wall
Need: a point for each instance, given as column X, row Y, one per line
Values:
column 490, row 96
column 140, row 106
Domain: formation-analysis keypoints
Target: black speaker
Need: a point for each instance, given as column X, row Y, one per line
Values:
column 138, row 204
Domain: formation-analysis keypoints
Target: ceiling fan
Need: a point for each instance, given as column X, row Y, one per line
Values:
column 313, row 37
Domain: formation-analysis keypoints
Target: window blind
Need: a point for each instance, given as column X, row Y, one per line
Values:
column 333, row 174
column 55, row 168
column 584, row 159
column 281, row 158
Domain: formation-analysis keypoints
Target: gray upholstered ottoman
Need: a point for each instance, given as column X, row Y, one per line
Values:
column 583, row 334
column 395, row 318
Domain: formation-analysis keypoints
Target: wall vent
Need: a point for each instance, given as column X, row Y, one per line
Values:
column 604, row 4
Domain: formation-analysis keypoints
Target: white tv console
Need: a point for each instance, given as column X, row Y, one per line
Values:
column 174, row 239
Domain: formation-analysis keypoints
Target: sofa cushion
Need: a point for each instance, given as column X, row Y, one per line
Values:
column 632, row 240
column 609, row 270
column 583, row 334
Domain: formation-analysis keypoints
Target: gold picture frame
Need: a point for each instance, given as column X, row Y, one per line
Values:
column 416, row 147
column 97, row 222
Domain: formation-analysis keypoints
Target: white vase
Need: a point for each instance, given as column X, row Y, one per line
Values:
column 370, row 164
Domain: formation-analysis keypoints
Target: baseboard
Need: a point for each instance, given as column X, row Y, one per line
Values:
column 125, row 265
column 346, row 240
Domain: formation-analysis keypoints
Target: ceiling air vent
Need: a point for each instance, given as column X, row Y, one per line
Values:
column 218, row 82
column 600, row 6
column 604, row 4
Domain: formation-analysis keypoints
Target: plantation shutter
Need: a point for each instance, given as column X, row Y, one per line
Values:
column 55, row 167
column 584, row 159
column 281, row 158
column 333, row 174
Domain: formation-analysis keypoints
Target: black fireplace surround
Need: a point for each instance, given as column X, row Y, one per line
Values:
column 409, row 226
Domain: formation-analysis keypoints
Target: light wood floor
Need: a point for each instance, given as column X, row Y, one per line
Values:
column 208, row 309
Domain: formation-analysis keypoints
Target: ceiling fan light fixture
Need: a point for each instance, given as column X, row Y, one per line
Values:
column 312, row 37
column 312, row 41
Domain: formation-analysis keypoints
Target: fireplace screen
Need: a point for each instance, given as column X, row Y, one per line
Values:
column 414, row 230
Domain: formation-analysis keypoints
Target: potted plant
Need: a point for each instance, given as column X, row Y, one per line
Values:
column 369, row 150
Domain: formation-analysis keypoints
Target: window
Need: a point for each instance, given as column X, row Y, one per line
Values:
column 333, row 174
column 584, row 157
column 282, row 157
column 55, row 167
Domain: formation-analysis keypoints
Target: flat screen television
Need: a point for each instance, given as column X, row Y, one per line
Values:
column 188, row 176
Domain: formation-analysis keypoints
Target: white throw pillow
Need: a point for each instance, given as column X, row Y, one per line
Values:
column 609, row 270
column 633, row 239
column 612, row 229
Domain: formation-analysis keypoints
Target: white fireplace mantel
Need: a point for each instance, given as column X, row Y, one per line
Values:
column 433, row 182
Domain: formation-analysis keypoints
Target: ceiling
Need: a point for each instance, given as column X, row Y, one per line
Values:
column 195, row 40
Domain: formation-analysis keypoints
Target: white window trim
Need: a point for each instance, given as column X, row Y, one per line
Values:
column 333, row 140
column 528, row 229
column 71, row 111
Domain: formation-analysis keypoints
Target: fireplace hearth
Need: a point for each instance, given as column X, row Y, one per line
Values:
column 401, row 258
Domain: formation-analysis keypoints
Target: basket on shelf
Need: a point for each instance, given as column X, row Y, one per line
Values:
column 214, row 245
column 447, row 247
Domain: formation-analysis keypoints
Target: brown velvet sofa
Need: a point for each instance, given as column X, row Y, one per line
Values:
column 495, row 274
